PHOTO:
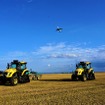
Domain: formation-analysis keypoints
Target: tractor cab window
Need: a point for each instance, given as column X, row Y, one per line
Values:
column 13, row 66
column 80, row 66
column 88, row 66
column 23, row 66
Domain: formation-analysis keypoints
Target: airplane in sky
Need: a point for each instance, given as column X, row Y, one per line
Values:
column 59, row 29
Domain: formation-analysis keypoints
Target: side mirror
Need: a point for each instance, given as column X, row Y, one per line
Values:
column 76, row 65
column 7, row 65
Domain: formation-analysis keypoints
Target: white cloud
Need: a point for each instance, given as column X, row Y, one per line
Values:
column 62, row 50
column 70, row 54
column 49, row 48
column 57, row 55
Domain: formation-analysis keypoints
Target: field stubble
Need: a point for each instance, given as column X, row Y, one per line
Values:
column 55, row 89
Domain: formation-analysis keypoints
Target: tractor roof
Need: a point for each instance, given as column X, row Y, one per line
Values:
column 23, row 62
column 85, row 62
column 17, row 62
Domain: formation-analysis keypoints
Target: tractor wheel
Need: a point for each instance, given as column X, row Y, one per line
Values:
column 92, row 76
column 2, row 81
column 25, row 78
column 34, row 78
column 83, row 77
column 73, row 78
column 14, row 80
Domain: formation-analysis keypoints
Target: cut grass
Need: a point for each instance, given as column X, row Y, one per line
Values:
column 55, row 89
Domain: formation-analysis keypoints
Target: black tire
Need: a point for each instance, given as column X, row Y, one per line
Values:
column 25, row 78
column 2, row 81
column 83, row 77
column 94, row 76
column 14, row 80
column 73, row 77
column 34, row 78
column 91, row 76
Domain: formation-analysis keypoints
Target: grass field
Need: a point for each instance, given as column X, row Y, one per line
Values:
column 55, row 89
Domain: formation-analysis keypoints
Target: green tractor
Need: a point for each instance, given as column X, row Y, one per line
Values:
column 16, row 72
column 83, row 72
column 35, row 75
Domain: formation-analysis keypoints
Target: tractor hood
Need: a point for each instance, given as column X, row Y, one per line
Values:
column 9, row 72
column 79, row 71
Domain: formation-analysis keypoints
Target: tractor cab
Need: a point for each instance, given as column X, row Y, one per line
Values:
column 88, row 65
column 83, row 71
column 17, row 65
column 84, row 65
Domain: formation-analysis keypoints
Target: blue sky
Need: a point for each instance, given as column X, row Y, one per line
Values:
column 28, row 32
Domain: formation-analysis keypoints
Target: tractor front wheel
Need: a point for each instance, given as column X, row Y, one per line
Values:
column 73, row 77
column 83, row 77
column 14, row 80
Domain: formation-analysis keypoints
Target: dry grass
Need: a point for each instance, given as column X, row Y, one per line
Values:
column 55, row 89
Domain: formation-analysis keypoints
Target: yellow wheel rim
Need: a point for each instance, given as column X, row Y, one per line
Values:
column 15, row 80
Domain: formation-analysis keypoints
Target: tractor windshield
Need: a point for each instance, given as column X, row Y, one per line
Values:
column 80, row 66
column 13, row 66
column 23, row 66
column 88, row 66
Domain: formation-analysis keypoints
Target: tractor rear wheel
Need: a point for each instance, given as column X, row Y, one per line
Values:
column 92, row 76
column 27, row 78
column 24, row 79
